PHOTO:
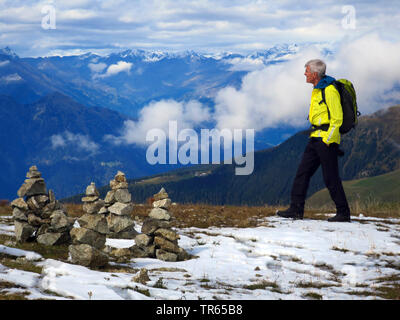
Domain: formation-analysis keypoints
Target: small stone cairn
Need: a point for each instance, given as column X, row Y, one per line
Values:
column 38, row 216
column 118, row 208
column 89, row 239
column 157, row 239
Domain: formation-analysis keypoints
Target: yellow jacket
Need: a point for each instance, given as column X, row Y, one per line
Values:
column 318, row 114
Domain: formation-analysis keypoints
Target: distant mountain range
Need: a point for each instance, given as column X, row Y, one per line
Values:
column 65, row 140
column 55, row 111
column 128, row 80
column 371, row 149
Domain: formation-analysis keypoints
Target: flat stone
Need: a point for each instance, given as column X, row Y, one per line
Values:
column 110, row 197
column 44, row 228
column 36, row 221
column 122, row 195
column 160, row 214
column 150, row 225
column 23, row 231
column 121, row 253
column 95, row 222
column 166, row 244
column 164, row 203
column 42, row 200
column 53, row 238
column 143, row 252
column 93, row 207
column 103, row 211
column 91, row 190
column 167, row 234
column 19, row 215
column 162, row 194
column 130, row 233
column 33, row 173
column 121, row 209
column 60, row 222
column 20, row 204
column 87, row 236
column 32, row 187
column 114, row 185
column 117, row 224
column 87, row 256
column 120, row 177
column 166, row 256
column 33, row 204
column 143, row 240
column 52, row 197
column 90, row 198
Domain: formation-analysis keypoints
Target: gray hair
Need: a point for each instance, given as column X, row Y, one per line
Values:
column 317, row 65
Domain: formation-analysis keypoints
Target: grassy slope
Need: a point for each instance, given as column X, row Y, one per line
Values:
column 382, row 188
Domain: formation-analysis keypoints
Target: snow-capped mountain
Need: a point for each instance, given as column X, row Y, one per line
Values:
column 126, row 81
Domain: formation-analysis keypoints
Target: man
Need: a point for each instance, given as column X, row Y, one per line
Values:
column 323, row 146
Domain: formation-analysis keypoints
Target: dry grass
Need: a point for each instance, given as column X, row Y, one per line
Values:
column 204, row 216
column 5, row 210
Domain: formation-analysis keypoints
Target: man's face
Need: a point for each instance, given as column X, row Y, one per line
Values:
column 310, row 76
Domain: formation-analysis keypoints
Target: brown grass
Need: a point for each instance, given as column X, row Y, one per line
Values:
column 5, row 211
column 204, row 216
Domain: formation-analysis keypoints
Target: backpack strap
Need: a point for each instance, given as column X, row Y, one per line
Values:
column 323, row 100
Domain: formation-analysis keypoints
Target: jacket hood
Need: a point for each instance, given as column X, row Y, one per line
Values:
column 324, row 82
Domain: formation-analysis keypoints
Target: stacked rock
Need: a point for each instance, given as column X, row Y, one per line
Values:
column 38, row 216
column 157, row 238
column 118, row 209
column 89, row 239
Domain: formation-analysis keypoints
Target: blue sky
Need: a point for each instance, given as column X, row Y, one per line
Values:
column 177, row 25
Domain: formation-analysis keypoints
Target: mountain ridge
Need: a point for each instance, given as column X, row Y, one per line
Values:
column 369, row 151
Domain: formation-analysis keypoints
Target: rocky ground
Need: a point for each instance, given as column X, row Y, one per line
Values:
column 273, row 259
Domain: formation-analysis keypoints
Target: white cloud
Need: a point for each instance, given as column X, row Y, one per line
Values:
column 157, row 115
column 120, row 66
column 373, row 65
column 278, row 94
column 97, row 67
column 3, row 63
column 268, row 97
column 12, row 77
column 79, row 141
column 246, row 64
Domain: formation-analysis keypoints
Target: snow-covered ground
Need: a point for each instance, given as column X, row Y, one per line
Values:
column 279, row 259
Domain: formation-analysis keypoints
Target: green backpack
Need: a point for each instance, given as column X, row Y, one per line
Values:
column 348, row 101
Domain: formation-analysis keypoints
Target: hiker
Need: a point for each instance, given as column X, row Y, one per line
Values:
column 323, row 146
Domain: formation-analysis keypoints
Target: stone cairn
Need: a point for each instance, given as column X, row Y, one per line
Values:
column 38, row 216
column 118, row 208
column 157, row 239
column 88, row 241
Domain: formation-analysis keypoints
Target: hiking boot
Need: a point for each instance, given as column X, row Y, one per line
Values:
column 340, row 218
column 294, row 212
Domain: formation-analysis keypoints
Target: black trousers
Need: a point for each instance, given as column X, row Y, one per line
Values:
column 318, row 153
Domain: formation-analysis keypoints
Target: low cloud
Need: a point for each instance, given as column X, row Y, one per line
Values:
column 97, row 67
column 78, row 141
column 114, row 69
column 11, row 77
column 278, row 94
column 373, row 65
column 157, row 115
